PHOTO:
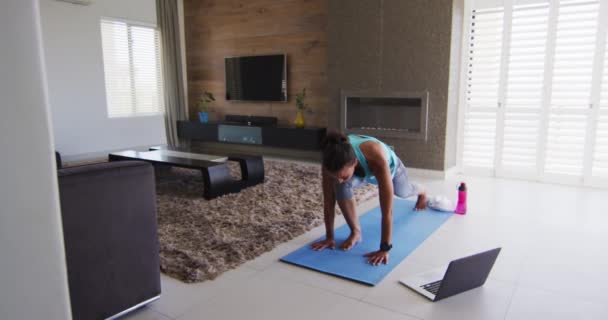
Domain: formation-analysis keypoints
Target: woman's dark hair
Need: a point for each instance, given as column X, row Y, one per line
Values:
column 337, row 151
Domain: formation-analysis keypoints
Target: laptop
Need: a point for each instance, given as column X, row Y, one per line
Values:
column 461, row 275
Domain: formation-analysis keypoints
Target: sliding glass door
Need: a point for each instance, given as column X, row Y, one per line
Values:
column 536, row 93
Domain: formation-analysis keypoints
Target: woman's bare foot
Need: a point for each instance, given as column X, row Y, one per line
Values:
column 353, row 239
column 421, row 203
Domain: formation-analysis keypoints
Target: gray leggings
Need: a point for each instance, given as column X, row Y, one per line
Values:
column 402, row 186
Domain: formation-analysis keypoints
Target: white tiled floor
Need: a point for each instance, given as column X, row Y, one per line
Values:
column 553, row 266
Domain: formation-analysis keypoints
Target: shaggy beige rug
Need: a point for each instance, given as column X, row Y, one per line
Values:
column 200, row 239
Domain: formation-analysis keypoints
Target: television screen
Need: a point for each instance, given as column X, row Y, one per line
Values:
column 256, row 78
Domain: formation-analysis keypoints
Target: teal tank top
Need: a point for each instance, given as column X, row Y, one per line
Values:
column 356, row 140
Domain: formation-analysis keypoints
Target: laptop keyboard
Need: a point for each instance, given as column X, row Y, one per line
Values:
column 432, row 287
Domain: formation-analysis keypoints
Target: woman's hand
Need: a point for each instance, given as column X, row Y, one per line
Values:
column 377, row 257
column 327, row 243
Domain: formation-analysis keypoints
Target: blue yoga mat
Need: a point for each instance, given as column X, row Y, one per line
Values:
column 410, row 229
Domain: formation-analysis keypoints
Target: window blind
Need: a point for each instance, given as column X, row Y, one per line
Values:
column 132, row 71
column 524, row 89
column 600, row 156
column 571, row 86
column 485, row 50
column 551, row 122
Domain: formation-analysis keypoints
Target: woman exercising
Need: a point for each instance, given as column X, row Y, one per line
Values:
column 351, row 161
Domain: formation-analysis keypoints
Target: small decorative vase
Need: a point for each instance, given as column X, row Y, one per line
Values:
column 203, row 117
column 299, row 122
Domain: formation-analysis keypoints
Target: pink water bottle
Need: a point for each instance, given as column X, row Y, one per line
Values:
column 461, row 207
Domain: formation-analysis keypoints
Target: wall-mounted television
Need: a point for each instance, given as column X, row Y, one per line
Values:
column 256, row 78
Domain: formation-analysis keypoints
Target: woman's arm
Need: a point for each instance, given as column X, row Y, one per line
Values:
column 329, row 205
column 379, row 167
column 329, row 211
column 376, row 159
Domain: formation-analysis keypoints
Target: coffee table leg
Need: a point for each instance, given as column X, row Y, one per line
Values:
column 252, row 170
column 218, row 182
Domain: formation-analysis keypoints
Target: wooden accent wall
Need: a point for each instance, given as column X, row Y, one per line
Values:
column 215, row 29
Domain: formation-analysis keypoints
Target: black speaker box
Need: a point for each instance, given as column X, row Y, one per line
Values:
column 250, row 120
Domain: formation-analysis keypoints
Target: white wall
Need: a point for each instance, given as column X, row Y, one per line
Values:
column 33, row 281
column 74, row 59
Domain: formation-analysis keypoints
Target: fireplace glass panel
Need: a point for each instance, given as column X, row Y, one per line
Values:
column 385, row 114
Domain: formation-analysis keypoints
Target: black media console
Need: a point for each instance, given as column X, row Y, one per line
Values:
column 257, row 133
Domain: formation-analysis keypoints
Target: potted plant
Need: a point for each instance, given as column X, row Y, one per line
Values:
column 301, row 106
column 203, row 106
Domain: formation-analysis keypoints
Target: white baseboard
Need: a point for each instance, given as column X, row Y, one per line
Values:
column 433, row 174
column 453, row 171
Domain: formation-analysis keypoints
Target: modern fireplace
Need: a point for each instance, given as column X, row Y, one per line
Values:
column 385, row 114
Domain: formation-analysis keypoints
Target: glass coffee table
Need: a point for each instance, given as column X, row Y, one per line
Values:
column 216, row 175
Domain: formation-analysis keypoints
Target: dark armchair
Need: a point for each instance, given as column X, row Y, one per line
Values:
column 110, row 235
